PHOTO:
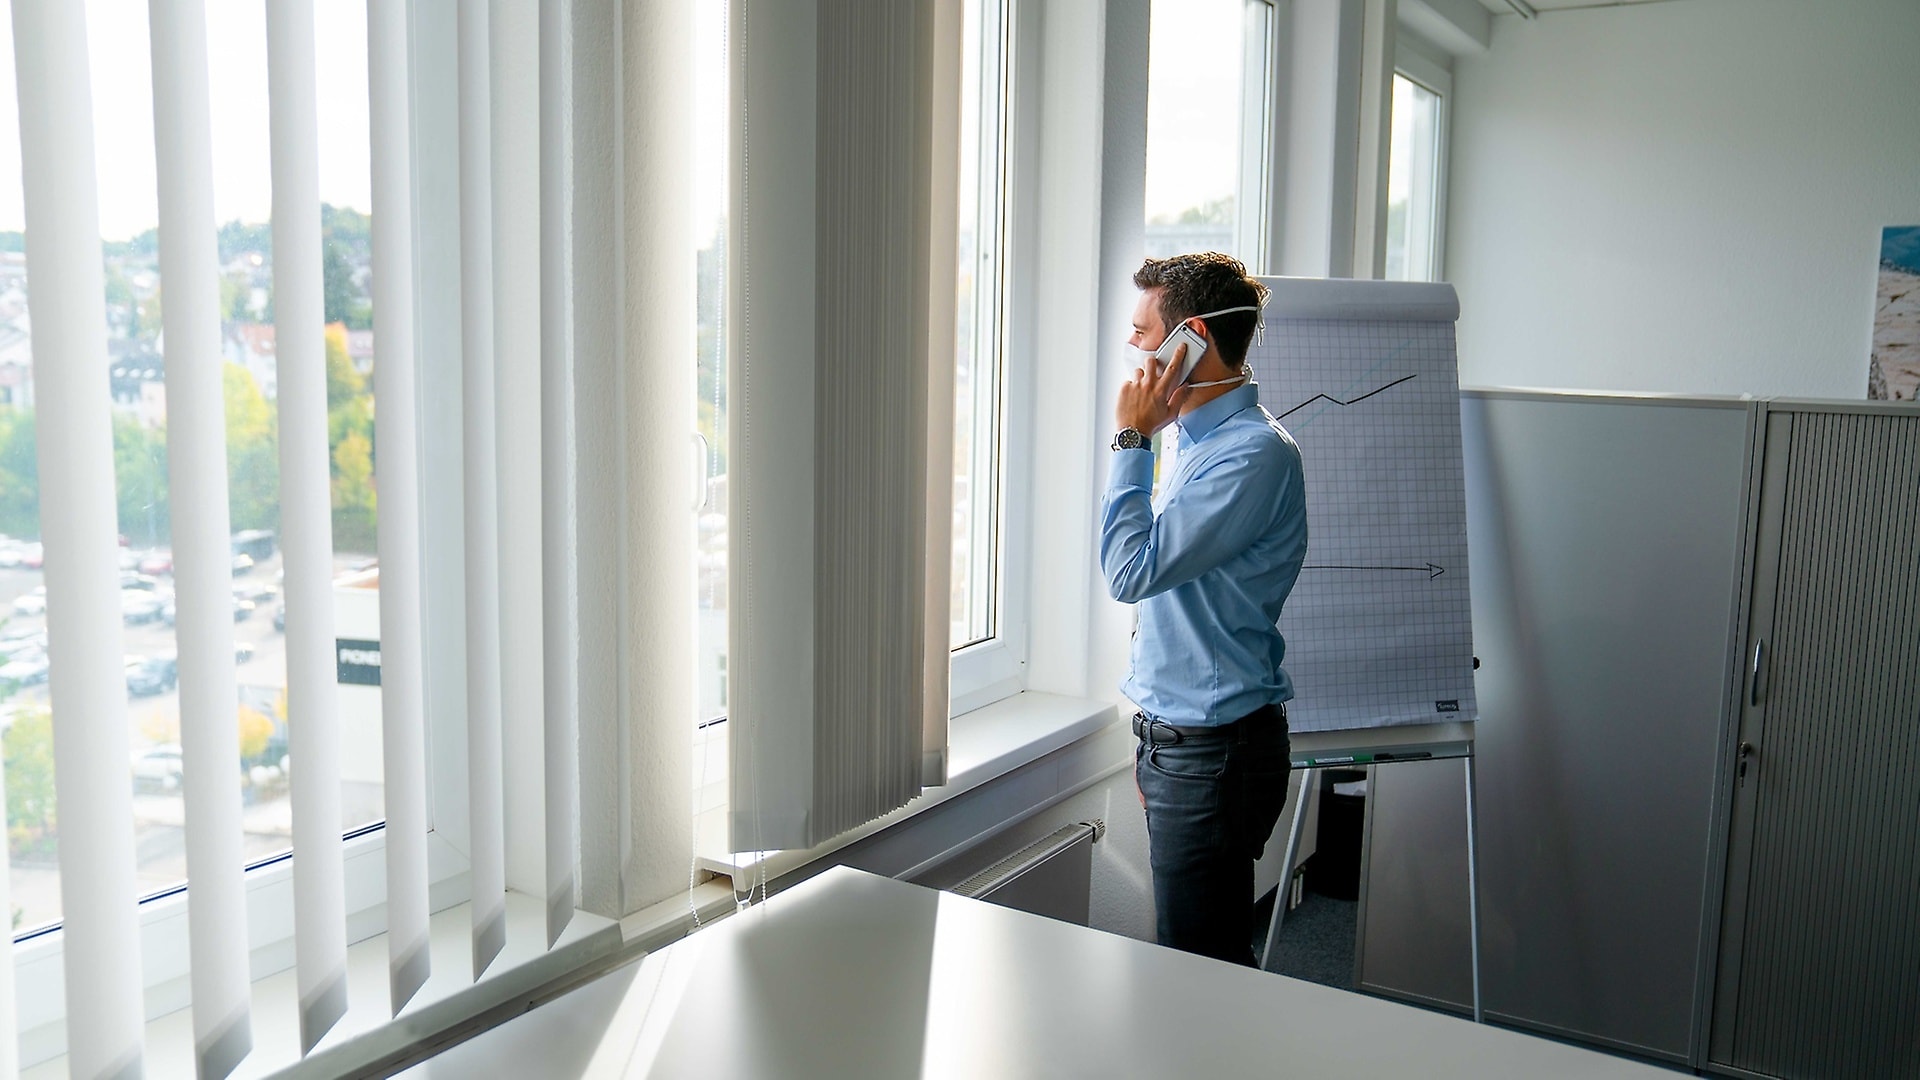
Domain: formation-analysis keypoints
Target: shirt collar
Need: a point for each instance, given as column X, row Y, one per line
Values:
column 1200, row 423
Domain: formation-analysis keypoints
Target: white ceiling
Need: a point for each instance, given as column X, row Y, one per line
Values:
column 1501, row 7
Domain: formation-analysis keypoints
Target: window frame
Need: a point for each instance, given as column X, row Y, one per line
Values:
column 1261, row 27
column 988, row 670
column 1423, row 71
column 39, row 968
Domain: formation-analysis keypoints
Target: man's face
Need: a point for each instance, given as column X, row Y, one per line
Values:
column 1149, row 330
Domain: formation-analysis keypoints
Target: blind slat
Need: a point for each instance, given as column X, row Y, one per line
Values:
column 402, row 662
column 202, row 553
column 560, row 659
column 488, row 856
column 78, row 530
column 306, row 522
column 514, row 100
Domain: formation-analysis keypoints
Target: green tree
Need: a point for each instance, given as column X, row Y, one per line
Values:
column 346, row 236
column 336, row 276
column 350, row 434
column 239, row 238
column 140, row 481
column 146, row 318
column 236, row 298
column 253, row 453
column 19, row 474
column 28, row 750
column 354, row 498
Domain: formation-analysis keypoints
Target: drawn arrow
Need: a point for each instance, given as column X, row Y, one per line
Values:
column 1430, row 569
column 1349, row 401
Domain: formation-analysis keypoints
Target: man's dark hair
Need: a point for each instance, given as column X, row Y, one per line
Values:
column 1207, row 281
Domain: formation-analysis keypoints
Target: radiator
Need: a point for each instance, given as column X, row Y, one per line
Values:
column 1051, row 876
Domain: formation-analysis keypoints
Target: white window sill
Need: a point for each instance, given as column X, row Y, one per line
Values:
column 982, row 745
column 367, row 1035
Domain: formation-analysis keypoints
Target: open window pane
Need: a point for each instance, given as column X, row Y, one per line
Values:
column 1413, row 182
column 1206, row 75
column 976, row 427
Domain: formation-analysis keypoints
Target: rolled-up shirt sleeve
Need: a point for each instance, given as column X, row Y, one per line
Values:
column 1205, row 521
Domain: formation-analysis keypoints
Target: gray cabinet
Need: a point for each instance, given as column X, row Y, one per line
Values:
column 1818, row 972
column 1684, row 853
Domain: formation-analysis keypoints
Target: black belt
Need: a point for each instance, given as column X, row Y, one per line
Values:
column 1161, row 733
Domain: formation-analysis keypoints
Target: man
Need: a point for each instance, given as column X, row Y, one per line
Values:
column 1209, row 571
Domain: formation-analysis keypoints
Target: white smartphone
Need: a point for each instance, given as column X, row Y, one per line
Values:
column 1196, row 348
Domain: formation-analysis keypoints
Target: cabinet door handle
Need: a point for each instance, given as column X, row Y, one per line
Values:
column 1759, row 685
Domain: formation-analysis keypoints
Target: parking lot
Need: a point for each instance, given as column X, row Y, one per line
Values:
column 153, row 719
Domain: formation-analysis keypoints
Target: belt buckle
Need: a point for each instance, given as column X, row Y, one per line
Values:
column 1149, row 728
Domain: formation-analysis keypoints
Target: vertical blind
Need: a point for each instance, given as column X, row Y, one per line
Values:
column 402, row 659
column 839, row 335
column 197, row 471
column 842, row 314
column 507, row 357
column 306, row 522
column 78, row 531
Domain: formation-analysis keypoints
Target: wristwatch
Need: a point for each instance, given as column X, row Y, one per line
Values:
column 1130, row 439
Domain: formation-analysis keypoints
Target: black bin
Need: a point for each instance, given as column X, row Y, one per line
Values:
column 1334, row 870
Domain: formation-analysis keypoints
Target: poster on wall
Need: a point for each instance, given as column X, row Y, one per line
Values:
column 1893, row 373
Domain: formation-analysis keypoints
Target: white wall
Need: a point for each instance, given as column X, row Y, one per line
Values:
column 1682, row 197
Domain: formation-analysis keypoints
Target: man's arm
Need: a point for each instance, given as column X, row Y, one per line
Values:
column 1209, row 519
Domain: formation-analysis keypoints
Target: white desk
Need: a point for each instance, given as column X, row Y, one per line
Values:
column 852, row 975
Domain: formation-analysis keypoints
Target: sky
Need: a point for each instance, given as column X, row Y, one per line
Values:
column 121, row 70
column 1193, row 104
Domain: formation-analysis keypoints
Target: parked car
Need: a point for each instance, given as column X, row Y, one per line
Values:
column 242, row 609
column 17, row 642
column 140, row 606
column 27, row 669
column 159, row 768
column 10, row 555
column 33, row 603
column 242, row 565
column 157, row 562
column 280, row 616
column 254, row 543
column 32, row 557
column 150, row 675
column 257, row 591
column 133, row 579
column 242, row 652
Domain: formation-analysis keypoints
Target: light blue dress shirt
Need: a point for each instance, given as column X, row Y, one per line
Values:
column 1211, row 570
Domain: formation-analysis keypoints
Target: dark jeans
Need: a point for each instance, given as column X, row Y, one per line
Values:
column 1212, row 801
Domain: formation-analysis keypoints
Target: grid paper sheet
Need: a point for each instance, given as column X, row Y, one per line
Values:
column 1379, row 627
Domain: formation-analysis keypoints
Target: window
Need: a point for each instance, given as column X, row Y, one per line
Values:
column 711, row 127
column 1208, row 93
column 1416, row 165
column 978, row 338
column 123, row 111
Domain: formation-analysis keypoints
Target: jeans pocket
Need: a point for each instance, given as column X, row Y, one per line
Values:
column 1189, row 760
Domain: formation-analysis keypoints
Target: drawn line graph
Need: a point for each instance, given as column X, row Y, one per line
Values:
column 1348, row 401
column 1349, row 388
column 1432, row 570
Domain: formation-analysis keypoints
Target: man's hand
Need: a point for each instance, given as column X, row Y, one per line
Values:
column 1150, row 400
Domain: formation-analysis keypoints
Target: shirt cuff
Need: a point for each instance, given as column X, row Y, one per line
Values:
column 1131, row 469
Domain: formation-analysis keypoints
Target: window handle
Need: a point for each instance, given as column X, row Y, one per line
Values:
column 1759, row 684
column 702, row 454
